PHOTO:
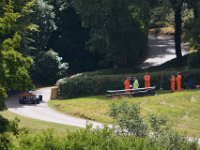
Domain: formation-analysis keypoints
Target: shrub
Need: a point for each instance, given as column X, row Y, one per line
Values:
column 103, row 139
column 2, row 98
column 86, row 85
column 4, row 124
column 128, row 118
column 5, row 141
column 44, row 141
column 8, row 129
column 48, row 68
column 156, row 122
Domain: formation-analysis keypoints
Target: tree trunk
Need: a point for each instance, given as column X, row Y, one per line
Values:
column 178, row 31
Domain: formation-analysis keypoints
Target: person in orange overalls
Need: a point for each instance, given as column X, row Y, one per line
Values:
column 173, row 83
column 127, row 83
column 178, row 81
column 197, row 87
column 147, row 80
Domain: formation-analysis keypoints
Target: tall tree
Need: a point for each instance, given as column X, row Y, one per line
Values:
column 70, row 37
column 13, row 65
column 194, row 30
column 43, row 15
column 177, row 6
column 116, row 29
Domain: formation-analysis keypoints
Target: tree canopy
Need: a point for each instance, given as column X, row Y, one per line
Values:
column 13, row 65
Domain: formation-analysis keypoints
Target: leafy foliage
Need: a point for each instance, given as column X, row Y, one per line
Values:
column 119, row 37
column 13, row 65
column 157, row 122
column 8, row 128
column 42, row 16
column 192, row 26
column 128, row 118
column 48, row 68
column 4, row 124
column 105, row 139
column 69, row 37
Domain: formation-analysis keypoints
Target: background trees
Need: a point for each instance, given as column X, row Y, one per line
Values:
column 117, row 30
column 193, row 27
column 69, row 38
column 48, row 68
column 179, row 9
column 43, row 16
column 177, row 6
column 94, row 34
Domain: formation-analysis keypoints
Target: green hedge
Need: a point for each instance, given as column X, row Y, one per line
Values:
column 84, row 85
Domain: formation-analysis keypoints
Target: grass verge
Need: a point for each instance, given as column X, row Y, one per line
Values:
column 181, row 108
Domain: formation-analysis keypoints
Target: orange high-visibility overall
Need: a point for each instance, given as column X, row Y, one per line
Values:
column 178, row 81
column 126, row 84
column 147, row 80
column 173, row 83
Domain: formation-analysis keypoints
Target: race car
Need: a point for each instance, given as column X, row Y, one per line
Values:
column 30, row 97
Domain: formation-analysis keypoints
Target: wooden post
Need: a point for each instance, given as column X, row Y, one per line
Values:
column 54, row 92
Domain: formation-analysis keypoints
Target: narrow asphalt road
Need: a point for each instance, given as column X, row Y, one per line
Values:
column 161, row 50
column 43, row 112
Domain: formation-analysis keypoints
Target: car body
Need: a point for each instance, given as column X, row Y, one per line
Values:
column 30, row 97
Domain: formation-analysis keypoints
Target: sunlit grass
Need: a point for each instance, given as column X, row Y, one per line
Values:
column 181, row 108
column 165, row 30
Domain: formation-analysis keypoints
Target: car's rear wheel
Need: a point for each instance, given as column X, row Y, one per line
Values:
column 40, row 97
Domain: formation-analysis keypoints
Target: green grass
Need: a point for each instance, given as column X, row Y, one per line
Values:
column 181, row 108
column 35, row 126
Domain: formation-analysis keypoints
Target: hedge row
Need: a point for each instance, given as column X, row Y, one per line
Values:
column 84, row 85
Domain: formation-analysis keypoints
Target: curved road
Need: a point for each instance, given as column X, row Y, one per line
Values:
column 43, row 112
column 161, row 50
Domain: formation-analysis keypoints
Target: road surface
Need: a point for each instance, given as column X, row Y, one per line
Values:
column 161, row 50
column 43, row 112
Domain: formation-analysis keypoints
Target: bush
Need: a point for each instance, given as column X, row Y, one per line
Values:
column 48, row 68
column 5, row 142
column 103, row 139
column 8, row 129
column 4, row 124
column 86, row 85
column 128, row 118
column 2, row 98
column 44, row 141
